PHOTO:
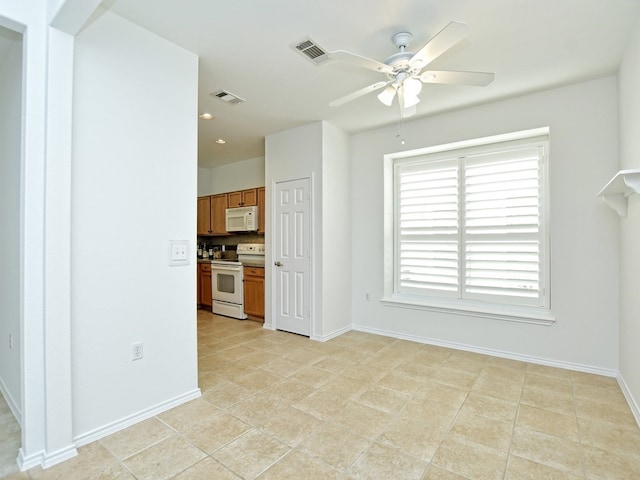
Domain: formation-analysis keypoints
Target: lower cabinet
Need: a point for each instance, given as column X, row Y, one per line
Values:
column 254, row 291
column 204, row 284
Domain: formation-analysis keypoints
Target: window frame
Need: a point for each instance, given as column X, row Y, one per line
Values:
column 466, row 306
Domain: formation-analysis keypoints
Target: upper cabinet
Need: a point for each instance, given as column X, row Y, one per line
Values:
column 212, row 215
column 204, row 215
column 218, row 214
column 244, row 198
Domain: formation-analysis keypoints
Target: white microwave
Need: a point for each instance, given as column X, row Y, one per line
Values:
column 242, row 219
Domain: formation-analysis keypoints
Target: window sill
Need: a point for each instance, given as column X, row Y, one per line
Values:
column 533, row 315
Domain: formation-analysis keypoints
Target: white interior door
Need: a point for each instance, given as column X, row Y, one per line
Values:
column 292, row 256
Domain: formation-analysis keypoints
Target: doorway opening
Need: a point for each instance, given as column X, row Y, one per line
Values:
column 11, row 60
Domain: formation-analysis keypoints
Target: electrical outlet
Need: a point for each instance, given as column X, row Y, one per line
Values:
column 366, row 296
column 136, row 351
column 10, row 342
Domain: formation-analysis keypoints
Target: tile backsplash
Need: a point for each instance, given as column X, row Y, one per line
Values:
column 231, row 241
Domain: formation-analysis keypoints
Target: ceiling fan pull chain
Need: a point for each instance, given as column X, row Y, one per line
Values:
column 400, row 133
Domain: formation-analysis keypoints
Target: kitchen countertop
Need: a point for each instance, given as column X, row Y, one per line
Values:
column 246, row 263
column 209, row 260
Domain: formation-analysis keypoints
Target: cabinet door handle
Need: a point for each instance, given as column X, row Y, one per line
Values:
column 277, row 264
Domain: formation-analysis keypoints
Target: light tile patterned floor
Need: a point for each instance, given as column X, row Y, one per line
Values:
column 9, row 439
column 279, row 406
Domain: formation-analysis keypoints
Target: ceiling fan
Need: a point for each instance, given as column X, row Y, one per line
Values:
column 404, row 70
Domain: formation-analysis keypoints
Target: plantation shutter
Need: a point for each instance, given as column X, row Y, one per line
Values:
column 469, row 224
column 428, row 227
column 502, row 230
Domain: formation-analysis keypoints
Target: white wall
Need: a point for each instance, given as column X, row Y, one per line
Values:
column 134, row 186
column 335, row 227
column 629, row 101
column 289, row 155
column 204, row 181
column 231, row 177
column 319, row 151
column 10, row 179
column 584, row 234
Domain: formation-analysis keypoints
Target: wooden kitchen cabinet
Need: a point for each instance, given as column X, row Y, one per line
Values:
column 204, row 215
column 261, row 219
column 243, row 198
column 218, row 214
column 254, row 292
column 204, row 284
column 211, row 215
column 198, row 292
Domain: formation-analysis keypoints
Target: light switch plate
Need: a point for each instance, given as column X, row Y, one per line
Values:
column 179, row 253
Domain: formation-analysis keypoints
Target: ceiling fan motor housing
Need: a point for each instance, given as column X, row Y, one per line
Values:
column 402, row 40
column 400, row 61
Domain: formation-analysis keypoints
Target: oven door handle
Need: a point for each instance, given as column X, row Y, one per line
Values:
column 236, row 268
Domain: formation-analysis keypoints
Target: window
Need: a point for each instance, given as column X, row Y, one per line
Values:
column 469, row 228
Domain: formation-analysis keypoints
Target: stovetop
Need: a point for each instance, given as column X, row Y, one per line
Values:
column 250, row 254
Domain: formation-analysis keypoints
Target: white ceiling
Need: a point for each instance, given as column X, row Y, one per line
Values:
column 244, row 48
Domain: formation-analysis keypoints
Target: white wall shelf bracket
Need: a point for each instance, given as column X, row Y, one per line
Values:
column 623, row 184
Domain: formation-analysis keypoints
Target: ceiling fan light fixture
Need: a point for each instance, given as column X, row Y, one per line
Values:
column 412, row 87
column 386, row 96
column 410, row 101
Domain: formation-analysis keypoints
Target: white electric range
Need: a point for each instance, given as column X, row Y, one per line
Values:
column 227, row 280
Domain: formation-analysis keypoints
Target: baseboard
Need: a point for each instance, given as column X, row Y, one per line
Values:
column 491, row 352
column 11, row 402
column 51, row 459
column 629, row 397
column 123, row 423
column 44, row 459
column 33, row 460
column 334, row 334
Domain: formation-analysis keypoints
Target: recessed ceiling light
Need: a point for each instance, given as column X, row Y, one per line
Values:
column 221, row 141
column 206, row 116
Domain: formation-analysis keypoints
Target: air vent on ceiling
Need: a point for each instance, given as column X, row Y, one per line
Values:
column 310, row 50
column 227, row 97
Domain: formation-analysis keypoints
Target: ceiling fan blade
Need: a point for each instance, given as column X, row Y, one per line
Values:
column 348, row 57
column 358, row 93
column 443, row 41
column 478, row 79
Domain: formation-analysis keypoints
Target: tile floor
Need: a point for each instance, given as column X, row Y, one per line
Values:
column 9, row 439
column 279, row 406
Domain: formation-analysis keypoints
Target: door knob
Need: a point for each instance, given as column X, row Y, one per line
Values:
column 277, row 264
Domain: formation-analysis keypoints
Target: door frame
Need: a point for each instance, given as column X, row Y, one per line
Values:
column 270, row 240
